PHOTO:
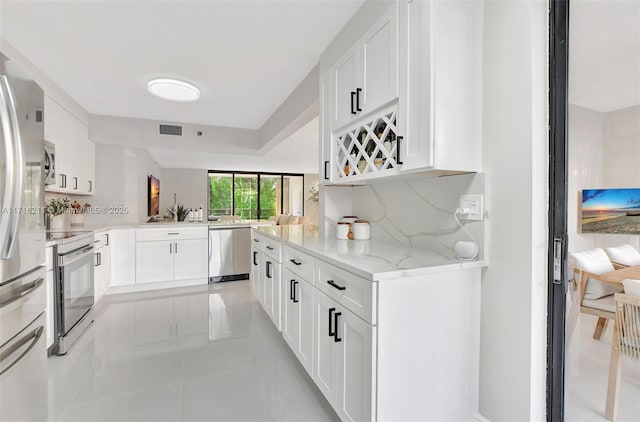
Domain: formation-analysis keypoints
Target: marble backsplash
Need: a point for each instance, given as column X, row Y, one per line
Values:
column 416, row 213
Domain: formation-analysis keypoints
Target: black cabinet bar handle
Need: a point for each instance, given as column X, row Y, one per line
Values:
column 107, row 238
column 291, row 295
column 97, row 264
column 99, row 259
column 399, row 138
column 75, row 183
column 326, row 163
column 331, row 332
column 358, row 91
column 353, row 97
column 269, row 275
column 270, row 248
column 254, row 257
column 90, row 186
column 295, row 283
column 295, row 261
column 256, row 240
column 333, row 284
column 335, row 327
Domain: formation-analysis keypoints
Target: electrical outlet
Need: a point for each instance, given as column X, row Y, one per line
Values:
column 475, row 203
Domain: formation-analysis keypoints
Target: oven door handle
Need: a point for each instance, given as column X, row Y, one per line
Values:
column 73, row 257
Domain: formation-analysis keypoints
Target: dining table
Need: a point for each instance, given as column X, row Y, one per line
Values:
column 616, row 276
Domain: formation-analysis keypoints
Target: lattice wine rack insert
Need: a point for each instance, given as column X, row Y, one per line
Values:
column 369, row 148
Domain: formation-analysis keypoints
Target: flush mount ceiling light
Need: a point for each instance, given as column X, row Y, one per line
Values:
column 173, row 90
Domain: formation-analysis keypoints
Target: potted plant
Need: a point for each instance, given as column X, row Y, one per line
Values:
column 77, row 213
column 181, row 210
column 58, row 209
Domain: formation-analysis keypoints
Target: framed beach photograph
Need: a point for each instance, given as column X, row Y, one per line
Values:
column 154, row 196
column 611, row 211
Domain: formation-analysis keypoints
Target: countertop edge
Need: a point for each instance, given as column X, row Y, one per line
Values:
column 384, row 275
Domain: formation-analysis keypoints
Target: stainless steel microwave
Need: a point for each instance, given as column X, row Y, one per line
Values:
column 49, row 163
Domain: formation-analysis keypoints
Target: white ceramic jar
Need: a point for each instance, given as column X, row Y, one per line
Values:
column 361, row 230
column 342, row 230
column 349, row 219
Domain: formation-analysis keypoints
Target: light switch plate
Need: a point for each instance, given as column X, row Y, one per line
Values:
column 475, row 202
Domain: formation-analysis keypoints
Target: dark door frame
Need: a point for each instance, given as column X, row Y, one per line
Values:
column 557, row 274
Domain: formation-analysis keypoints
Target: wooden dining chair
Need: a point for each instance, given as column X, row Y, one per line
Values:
column 626, row 342
column 603, row 308
column 595, row 293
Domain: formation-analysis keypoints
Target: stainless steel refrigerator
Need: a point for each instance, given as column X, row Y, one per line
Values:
column 23, row 372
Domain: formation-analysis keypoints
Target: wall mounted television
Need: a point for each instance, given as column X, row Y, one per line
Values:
column 610, row 211
column 153, row 195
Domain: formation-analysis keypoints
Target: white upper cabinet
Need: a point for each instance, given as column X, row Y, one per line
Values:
column 415, row 102
column 324, row 100
column 366, row 76
column 75, row 153
column 379, row 58
column 89, row 174
column 345, row 82
column 443, row 94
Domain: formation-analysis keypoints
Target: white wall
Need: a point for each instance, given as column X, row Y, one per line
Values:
column 300, row 107
column 513, row 329
column 586, row 144
column 604, row 151
column 121, row 181
column 310, row 208
column 190, row 185
column 621, row 161
column 49, row 87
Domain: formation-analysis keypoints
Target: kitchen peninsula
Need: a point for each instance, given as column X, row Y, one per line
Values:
column 366, row 318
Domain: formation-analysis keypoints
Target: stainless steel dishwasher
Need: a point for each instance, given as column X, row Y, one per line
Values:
column 229, row 253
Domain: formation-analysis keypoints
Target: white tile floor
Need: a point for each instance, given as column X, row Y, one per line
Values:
column 196, row 354
column 587, row 376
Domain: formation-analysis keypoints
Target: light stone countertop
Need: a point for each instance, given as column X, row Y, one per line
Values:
column 98, row 228
column 370, row 259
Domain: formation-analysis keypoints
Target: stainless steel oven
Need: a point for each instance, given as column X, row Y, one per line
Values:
column 74, row 289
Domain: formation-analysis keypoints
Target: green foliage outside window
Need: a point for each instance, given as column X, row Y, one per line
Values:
column 220, row 194
column 223, row 190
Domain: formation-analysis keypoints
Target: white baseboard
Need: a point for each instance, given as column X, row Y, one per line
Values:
column 143, row 287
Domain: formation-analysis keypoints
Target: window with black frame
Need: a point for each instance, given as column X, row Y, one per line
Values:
column 255, row 195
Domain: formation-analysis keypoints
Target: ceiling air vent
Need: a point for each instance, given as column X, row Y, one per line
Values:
column 170, row 130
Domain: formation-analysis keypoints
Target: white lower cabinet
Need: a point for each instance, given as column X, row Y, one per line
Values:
column 102, row 265
column 154, row 261
column 343, row 359
column 297, row 317
column 171, row 254
column 271, row 281
column 123, row 257
column 255, row 270
column 377, row 349
column 190, row 259
column 266, row 271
